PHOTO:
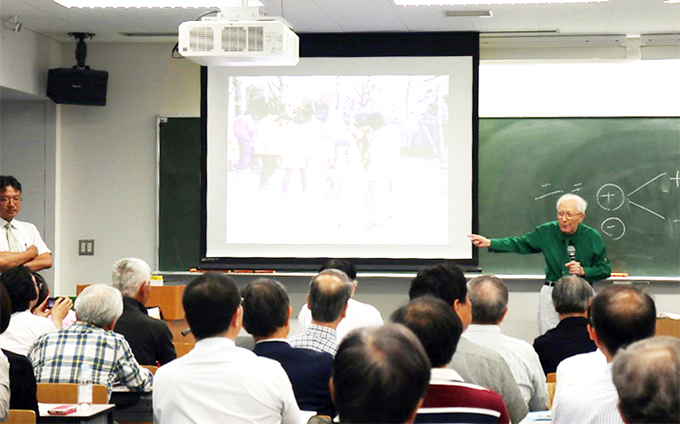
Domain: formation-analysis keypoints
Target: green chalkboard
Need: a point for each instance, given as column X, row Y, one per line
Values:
column 628, row 169
column 179, row 193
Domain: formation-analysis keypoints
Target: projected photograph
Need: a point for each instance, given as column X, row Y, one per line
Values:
column 337, row 160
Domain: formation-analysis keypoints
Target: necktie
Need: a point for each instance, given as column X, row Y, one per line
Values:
column 11, row 240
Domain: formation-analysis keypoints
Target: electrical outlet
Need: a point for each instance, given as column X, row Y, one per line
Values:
column 86, row 247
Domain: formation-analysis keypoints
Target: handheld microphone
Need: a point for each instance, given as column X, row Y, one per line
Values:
column 571, row 250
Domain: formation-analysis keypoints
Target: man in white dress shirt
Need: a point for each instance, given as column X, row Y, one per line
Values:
column 358, row 314
column 619, row 316
column 20, row 242
column 218, row 382
column 489, row 298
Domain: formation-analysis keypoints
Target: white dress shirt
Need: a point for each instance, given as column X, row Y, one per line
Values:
column 579, row 369
column 218, row 382
column 4, row 387
column 521, row 358
column 359, row 315
column 24, row 328
column 27, row 235
column 589, row 403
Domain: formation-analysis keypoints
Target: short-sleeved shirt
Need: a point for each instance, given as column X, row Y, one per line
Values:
column 27, row 235
column 58, row 356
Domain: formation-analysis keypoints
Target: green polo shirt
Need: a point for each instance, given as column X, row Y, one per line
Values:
column 552, row 242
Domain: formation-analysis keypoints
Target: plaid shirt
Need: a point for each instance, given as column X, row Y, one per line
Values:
column 58, row 355
column 316, row 337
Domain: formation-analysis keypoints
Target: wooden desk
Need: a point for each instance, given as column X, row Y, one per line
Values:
column 91, row 414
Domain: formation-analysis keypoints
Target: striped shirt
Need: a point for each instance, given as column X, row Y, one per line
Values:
column 316, row 337
column 57, row 358
column 589, row 403
column 522, row 359
column 450, row 400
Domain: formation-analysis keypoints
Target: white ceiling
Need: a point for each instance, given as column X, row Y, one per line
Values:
column 625, row 17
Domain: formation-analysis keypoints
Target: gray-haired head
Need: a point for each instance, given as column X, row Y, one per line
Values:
column 129, row 274
column 489, row 298
column 329, row 292
column 581, row 204
column 572, row 294
column 647, row 378
column 99, row 305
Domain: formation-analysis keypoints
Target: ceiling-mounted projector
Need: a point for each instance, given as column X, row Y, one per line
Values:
column 239, row 36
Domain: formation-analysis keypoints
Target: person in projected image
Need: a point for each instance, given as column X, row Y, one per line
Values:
column 381, row 160
column 269, row 144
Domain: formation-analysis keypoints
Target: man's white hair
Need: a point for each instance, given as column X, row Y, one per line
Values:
column 99, row 305
column 581, row 204
column 129, row 274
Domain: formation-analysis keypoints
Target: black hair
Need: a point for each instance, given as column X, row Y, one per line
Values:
column 435, row 323
column 5, row 309
column 379, row 375
column 345, row 266
column 445, row 281
column 43, row 288
column 210, row 301
column 265, row 307
column 20, row 287
column 622, row 315
column 8, row 180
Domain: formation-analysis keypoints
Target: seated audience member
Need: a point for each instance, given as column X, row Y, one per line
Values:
column 25, row 327
column 380, row 375
column 149, row 338
column 474, row 363
column 42, row 309
column 646, row 375
column 489, row 298
column 58, row 356
column 571, row 296
column 266, row 316
column 21, row 381
column 329, row 292
column 619, row 316
column 358, row 314
column 448, row 398
column 218, row 382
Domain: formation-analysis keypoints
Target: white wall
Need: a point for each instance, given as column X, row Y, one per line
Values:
column 108, row 158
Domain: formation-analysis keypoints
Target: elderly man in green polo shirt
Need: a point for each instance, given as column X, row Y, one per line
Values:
column 587, row 260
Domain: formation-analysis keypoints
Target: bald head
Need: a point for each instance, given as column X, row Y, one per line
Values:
column 621, row 315
column 329, row 292
column 489, row 298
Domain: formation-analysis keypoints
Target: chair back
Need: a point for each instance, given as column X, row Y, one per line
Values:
column 551, row 394
column 68, row 393
column 151, row 368
column 21, row 416
column 551, row 377
column 183, row 348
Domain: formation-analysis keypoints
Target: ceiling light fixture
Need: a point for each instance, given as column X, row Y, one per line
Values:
column 468, row 14
column 140, row 4
column 486, row 2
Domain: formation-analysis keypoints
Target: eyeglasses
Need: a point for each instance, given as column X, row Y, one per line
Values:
column 5, row 200
column 568, row 215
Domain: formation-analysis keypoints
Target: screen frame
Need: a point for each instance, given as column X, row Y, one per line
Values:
column 412, row 44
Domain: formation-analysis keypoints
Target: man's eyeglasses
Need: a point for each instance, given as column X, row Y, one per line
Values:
column 5, row 200
column 568, row 215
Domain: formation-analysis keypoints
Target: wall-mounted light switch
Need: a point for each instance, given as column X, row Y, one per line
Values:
column 86, row 247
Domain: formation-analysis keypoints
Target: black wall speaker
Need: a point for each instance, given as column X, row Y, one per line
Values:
column 74, row 86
